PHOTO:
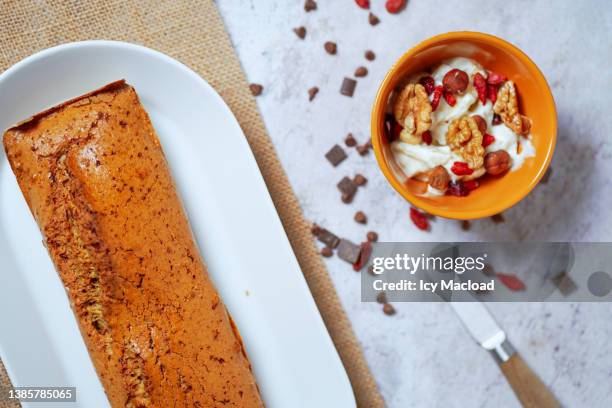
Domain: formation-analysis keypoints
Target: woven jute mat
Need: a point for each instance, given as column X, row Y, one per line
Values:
column 192, row 32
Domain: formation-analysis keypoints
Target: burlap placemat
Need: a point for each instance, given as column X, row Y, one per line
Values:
column 192, row 32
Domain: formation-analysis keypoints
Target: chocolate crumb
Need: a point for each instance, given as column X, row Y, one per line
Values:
column 330, row 47
column 327, row 252
column 372, row 236
column 360, row 180
column 256, row 89
column 369, row 55
column 373, row 19
column 361, row 72
column 360, row 217
column 350, row 141
column 315, row 230
column 388, row 309
column 336, row 155
column 348, row 251
column 381, row 298
column 328, row 238
column 310, row 5
column 348, row 87
column 363, row 149
column 498, row 218
column 300, row 32
column 465, row 225
column 312, row 92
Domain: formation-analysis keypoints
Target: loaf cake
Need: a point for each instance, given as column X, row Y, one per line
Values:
column 94, row 175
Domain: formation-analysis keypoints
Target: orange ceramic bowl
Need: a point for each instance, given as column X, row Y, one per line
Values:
column 495, row 194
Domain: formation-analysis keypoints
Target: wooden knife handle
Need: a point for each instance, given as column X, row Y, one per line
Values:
column 527, row 386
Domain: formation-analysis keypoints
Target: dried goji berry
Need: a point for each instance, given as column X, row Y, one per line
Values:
column 492, row 93
column 481, row 87
column 428, row 83
column 487, row 139
column 450, row 98
column 512, row 282
column 471, row 184
column 426, row 136
column 456, row 188
column 364, row 256
column 494, row 78
column 364, row 4
column 461, row 169
column 395, row 6
column 437, row 94
column 419, row 219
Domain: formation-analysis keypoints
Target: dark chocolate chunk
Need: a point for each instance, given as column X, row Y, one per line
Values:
column 360, row 180
column 310, row 5
column 388, row 309
column 348, row 87
column 565, row 284
column 336, row 155
column 360, row 217
column 361, row 72
column 346, row 186
column 372, row 236
column 327, row 252
column 256, row 89
column 330, row 47
column 369, row 55
column 348, row 251
column 328, row 238
column 373, row 19
column 312, row 92
column 350, row 141
column 300, row 32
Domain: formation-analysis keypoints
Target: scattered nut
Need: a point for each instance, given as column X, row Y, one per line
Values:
column 361, row 72
column 482, row 124
column 330, row 47
column 360, row 180
column 439, row 178
column 310, row 5
column 455, row 81
column 363, row 149
column 312, row 92
column 506, row 107
column 360, row 217
column 327, row 252
column 388, row 309
column 256, row 89
column 381, row 298
column 412, row 110
column 369, row 55
column 373, row 19
column 497, row 162
column 350, row 141
column 372, row 236
column 300, row 32
column 347, row 198
column 465, row 139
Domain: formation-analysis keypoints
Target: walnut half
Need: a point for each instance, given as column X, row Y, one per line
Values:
column 412, row 110
column 506, row 107
column 465, row 139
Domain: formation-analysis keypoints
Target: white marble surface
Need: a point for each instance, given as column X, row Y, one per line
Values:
column 422, row 356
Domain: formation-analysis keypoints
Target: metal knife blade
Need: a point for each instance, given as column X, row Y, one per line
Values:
column 479, row 322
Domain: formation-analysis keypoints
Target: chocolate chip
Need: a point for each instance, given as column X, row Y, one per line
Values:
column 330, row 47
column 381, row 298
column 315, row 230
column 336, row 155
column 372, row 236
column 360, row 217
column 465, row 225
column 312, row 92
column 373, row 19
column 310, row 5
column 498, row 218
column 300, row 32
column 388, row 309
column 360, row 180
column 369, row 55
column 346, row 186
column 256, row 89
column 363, row 149
column 546, row 176
column 497, row 120
column 348, row 87
column 327, row 252
column 350, row 141
column 565, row 284
column 347, row 198
column 328, row 238
column 349, row 252
column 361, row 72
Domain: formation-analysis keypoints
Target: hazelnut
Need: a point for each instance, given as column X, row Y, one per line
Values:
column 455, row 81
column 497, row 162
column 482, row 124
column 439, row 178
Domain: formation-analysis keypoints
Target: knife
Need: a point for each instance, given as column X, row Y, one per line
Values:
column 529, row 389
